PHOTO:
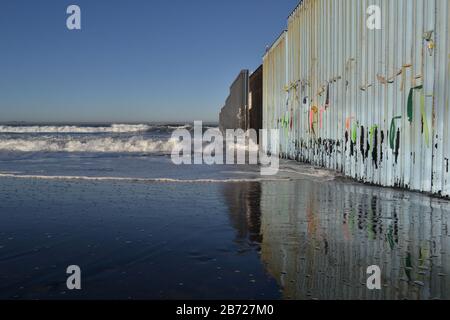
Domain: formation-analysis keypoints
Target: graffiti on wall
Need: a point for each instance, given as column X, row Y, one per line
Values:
column 372, row 104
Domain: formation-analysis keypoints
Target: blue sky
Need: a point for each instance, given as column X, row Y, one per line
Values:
column 133, row 60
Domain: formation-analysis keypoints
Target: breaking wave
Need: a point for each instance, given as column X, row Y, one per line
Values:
column 114, row 128
column 91, row 144
column 131, row 179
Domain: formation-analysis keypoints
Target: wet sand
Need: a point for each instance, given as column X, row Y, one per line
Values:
column 301, row 239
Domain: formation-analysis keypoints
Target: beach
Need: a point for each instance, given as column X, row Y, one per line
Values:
column 140, row 227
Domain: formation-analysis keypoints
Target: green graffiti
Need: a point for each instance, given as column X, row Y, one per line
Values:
column 392, row 132
column 372, row 133
column 411, row 102
column 354, row 132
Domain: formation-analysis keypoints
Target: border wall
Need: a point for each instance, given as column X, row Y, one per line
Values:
column 233, row 114
column 372, row 104
column 255, row 100
column 243, row 107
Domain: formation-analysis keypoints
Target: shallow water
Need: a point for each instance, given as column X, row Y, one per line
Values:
column 301, row 239
column 141, row 228
column 319, row 238
column 131, row 240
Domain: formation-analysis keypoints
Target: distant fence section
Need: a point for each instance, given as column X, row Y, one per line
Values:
column 243, row 107
column 372, row 104
column 233, row 114
column 255, row 100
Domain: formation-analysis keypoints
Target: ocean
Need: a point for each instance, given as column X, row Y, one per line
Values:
column 108, row 199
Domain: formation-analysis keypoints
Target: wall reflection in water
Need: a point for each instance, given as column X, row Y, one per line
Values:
column 244, row 203
column 318, row 238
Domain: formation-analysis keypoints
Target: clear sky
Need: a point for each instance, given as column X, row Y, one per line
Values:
column 133, row 60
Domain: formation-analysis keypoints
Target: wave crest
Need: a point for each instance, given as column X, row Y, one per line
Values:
column 135, row 179
column 102, row 145
column 114, row 128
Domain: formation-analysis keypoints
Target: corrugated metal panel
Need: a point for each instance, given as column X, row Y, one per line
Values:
column 255, row 98
column 274, row 81
column 373, row 104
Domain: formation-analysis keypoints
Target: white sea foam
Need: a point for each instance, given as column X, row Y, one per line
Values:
column 131, row 179
column 114, row 128
column 134, row 144
column 91, row 144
